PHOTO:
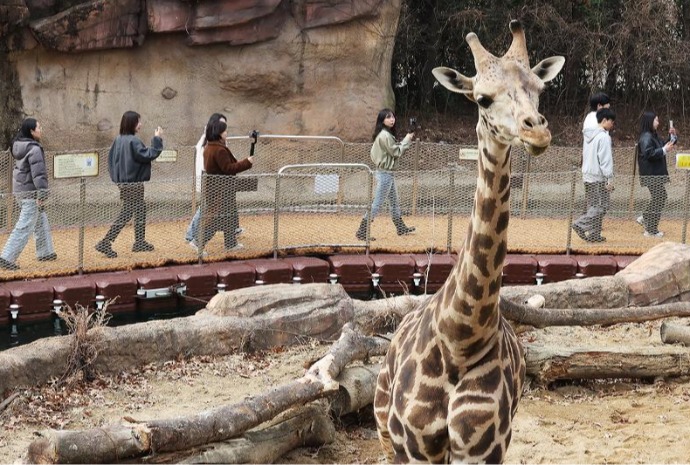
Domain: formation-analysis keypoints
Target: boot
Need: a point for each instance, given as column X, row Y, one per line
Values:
column 140, row 244
column 362, row 231
column 401, row 228
column 106, row 249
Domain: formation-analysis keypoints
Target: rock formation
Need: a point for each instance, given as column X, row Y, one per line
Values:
column 280, row 66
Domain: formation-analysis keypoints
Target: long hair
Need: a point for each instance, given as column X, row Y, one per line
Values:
column 28, row 125
column 211, row 121
column 379, row 123
column 647, row 122
column 128, row 123
column 214, row 131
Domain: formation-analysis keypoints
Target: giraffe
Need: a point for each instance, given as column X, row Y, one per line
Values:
column 453, row 375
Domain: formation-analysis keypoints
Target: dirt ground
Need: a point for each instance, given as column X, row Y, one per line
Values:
column 595, row 421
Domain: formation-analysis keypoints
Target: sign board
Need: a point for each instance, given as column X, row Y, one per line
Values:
column 326, row 184
column 683, row 161
column 167, row 156
column 469, row 154
column 75, row 165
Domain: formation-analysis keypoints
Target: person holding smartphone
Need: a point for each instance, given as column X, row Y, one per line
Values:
column 385, row 154
column 129, row 164
column 651, row 161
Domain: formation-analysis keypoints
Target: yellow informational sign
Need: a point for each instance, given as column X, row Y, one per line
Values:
column 469, row 154
column 167, row 156
column 683, row 161
column 75, row 165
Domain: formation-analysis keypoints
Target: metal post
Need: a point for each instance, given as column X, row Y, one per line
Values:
column 451, row 208
column 415, row 177
column 525, row 186
column 686, row 206
column 571, row 212
column 276, row 210
column 82, row 223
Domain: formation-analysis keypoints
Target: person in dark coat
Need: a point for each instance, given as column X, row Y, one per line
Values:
column 651, row 161
column 129, row 164
column 220, row 201
column 30, row 186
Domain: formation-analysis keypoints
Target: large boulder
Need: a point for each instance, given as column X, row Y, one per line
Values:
column 302, row 67
column 660, row 275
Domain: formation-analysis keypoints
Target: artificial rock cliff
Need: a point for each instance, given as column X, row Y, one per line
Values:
column 308, row 67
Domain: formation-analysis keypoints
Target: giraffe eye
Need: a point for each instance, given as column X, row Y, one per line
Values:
column 484, row 101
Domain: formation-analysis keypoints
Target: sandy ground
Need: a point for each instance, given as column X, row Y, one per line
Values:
column 302, row 234
column 616, row 421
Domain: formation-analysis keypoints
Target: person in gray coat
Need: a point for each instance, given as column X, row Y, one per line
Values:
column 129, row 164
column 30, row 185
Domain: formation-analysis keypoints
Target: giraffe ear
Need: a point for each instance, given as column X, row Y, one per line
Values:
column 454, row 81
column 548, row 68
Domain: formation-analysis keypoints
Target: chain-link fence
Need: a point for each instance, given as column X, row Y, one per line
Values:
column 309, row 195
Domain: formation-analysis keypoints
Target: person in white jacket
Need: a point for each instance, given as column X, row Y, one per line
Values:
column 597, row 175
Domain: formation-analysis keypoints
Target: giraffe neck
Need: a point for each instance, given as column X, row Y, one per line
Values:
column 472, row 300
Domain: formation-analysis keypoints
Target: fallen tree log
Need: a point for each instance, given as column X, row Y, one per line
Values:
column 357, row 388
column 544, row 317
column 117, row 442
column 307, row 426
column 548, row 363
column 673, row 334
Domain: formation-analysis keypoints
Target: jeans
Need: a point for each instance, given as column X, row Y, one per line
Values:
column 31, row 219
column 193, row 227
column 598, row 202
column 385, row 189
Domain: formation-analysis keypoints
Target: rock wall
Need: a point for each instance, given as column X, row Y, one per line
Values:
column 306, row 67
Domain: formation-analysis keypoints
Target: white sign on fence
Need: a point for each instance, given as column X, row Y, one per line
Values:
column 75, row 165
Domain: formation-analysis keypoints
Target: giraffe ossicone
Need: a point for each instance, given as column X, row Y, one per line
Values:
column 453, row 375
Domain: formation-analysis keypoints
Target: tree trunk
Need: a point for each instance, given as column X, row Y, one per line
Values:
column 673, row 334
column 302, row 427
column 115, row 443
column 543, row 317
column 548, row 364
column 357, row 388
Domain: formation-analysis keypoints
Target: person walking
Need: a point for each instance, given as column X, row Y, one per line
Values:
column 193, row 228
column 220, row 193
column 597, row 175
column 30, row 185
column 129, row 164
column 651, row 162
column 385, row 154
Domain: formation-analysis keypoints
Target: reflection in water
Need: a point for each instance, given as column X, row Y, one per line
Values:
column 24, row 333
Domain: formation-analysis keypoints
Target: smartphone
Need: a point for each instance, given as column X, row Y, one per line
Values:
column 674, row 137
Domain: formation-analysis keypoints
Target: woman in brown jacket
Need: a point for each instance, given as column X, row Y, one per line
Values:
column 220, row 212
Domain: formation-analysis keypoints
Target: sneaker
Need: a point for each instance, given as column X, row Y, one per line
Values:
column 106, row 249
column 596, row 239
column 640, row 220
column 656, row 234
column 8, row 265
column 142, row 246
column 195, row 248
column 48, row 258
column 580, row 232
column 362, row 237
column 406, row 230
column 237, row 246
column 239, row 231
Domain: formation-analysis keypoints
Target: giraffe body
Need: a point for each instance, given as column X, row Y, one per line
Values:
column 453, row 376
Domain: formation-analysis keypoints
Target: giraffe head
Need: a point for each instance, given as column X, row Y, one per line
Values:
column 506, row 91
